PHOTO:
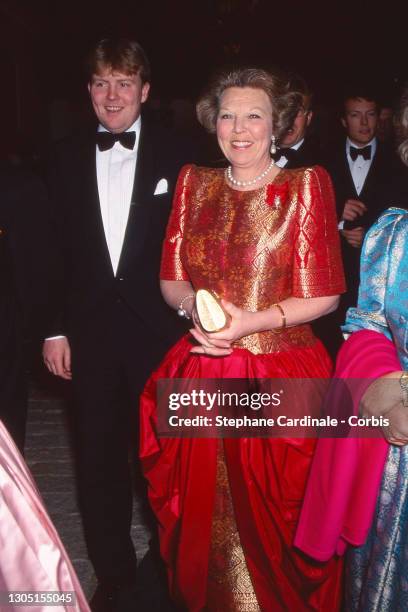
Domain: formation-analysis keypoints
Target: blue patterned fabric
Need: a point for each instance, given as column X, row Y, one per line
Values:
column 377, row 572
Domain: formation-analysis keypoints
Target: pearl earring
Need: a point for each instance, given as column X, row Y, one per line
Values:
column 273, row 145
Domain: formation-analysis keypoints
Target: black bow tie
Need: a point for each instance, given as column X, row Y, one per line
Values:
column 365, row 152
column 289, row 153
column 106, row 140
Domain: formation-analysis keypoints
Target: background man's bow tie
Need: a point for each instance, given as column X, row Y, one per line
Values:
column 364, row 152
column 289, row 153
column 106, row 140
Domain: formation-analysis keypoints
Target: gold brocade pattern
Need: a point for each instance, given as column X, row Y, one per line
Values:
column 229, row 582
column 269, row 342
column 258, row 247
column 254, row 248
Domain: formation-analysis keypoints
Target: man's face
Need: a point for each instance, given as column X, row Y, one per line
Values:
column 117, row 98
column 298, row 130
column 360, row 120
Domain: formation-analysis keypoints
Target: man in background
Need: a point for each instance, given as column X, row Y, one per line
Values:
column 367, row 177
column 298, row 148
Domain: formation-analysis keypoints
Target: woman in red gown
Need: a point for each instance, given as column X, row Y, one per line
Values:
column 266, row 241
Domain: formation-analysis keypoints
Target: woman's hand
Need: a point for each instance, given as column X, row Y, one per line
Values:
column 384, row 398
column 397, row 431
column 220, row 343
column 244, row 323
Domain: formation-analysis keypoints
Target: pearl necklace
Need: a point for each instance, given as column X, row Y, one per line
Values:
column 231, row 179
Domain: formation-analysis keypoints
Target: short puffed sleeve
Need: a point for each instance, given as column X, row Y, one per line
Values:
column 317, row 267
column 171, row 266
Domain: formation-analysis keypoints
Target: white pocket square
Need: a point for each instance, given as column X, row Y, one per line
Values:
column 161, row 187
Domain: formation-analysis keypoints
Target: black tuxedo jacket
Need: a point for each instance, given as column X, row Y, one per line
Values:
column 385, row 184
column 309, row 154
column 88, row 282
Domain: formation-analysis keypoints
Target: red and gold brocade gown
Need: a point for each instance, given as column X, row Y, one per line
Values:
column 227, row 509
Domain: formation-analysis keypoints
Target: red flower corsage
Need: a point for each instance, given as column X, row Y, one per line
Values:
column 277, row 194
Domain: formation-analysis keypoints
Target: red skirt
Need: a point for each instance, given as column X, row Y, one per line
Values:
column 267, row 479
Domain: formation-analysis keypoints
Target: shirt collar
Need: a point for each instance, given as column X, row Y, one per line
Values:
column 298, row 144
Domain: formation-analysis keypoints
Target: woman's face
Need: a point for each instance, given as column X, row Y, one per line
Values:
column 244, row 127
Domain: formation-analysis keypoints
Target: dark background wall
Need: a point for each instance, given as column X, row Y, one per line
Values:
column 43, row 43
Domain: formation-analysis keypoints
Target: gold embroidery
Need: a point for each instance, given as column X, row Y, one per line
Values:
column 244, row 240
column 268, row 342
column 229, row 582
column 171, row 265
column 259, row 247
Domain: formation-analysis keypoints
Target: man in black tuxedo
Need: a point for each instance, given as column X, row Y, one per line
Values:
column 112, row 192
column 25, row 235
column 298, row 149
column 368, row 178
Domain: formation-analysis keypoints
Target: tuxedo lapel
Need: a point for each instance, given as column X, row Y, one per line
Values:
column 141, row 203
column 90, row 211
column 347, row 178
column 143, row 187
column 372, row 175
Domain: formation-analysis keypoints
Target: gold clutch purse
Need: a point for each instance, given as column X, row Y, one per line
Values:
column 211, row 314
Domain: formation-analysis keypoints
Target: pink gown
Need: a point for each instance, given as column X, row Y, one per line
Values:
column 32, row 556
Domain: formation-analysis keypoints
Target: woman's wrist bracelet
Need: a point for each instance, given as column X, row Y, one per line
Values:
column 280, row 329
column 181, row 311
column 403, row 381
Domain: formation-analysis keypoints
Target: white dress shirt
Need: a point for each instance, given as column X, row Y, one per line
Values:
column 360, row 167
column 115, row 171
column 282, row 161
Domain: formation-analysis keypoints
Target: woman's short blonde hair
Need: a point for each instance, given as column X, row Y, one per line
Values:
column 402, row 126
column 285, row 103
